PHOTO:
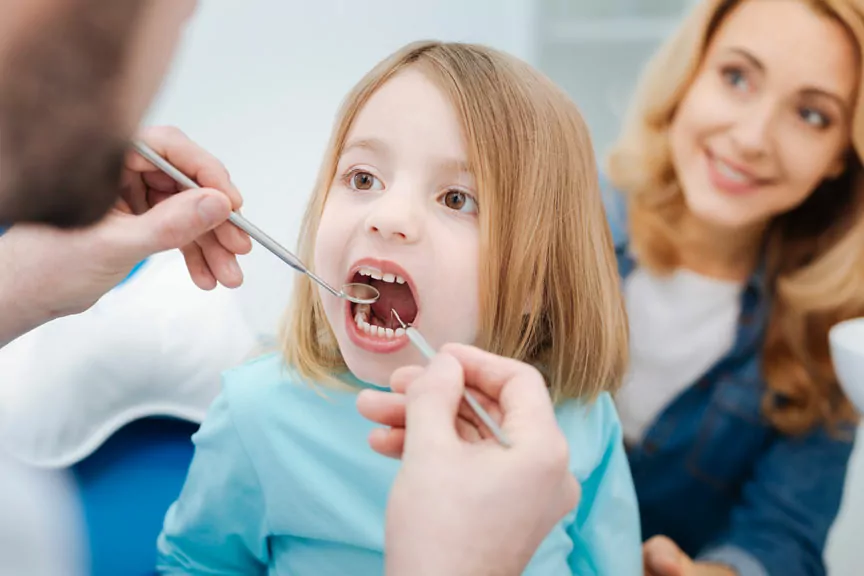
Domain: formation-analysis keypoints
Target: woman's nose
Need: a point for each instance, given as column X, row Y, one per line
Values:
column 396, row 217
column 752, row 132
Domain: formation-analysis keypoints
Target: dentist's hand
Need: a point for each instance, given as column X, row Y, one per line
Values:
column 195, row 221
column 467, row 505
column 389, row 410
column 49, row 273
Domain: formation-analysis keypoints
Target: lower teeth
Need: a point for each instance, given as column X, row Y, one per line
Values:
column 361, row 318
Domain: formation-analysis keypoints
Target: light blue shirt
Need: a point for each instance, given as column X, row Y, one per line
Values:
column 283, row 482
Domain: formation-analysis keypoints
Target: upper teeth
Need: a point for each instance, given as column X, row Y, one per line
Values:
column 378, row 275
column 730, row 172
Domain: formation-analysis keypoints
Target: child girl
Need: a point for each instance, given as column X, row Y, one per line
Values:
column 462, row 184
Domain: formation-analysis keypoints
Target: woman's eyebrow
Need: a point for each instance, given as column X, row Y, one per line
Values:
column 749, row 56
column 812, row 91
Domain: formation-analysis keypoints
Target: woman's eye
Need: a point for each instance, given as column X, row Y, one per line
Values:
column 459, row 201
column 735, row 77
column 364, row 181
column 814, row 117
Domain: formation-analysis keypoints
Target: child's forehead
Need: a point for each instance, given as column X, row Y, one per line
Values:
column 408, row 116
column 409, row 98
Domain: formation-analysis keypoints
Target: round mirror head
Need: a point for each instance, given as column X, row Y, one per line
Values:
column 359, row 293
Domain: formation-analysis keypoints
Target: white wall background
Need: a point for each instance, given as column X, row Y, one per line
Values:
column 259, row 81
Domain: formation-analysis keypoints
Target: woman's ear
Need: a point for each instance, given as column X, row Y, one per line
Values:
column 838, row 166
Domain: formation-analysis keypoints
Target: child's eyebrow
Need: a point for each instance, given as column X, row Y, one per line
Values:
column 454, row 166
column 370, row 144
column 450, row 165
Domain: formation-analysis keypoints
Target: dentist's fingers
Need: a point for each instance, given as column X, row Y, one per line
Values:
column 478, row 429
column 229, row 236
column 385, row 408
column 401, row 377
column 233, row 239
column 518, row 388
column 197, row 266
column 145, row 187
column 389, row 442
column 190, row 158
column 388, row 409
column 221, row 262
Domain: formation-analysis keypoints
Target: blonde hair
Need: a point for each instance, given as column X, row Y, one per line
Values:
column 815, row 253
column 548, row 291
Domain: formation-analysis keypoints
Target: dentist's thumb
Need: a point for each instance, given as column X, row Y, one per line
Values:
column 172, row 223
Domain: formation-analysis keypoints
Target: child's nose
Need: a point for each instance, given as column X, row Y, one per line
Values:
column 395, row 217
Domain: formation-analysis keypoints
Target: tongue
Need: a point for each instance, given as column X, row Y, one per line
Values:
column 394, row 297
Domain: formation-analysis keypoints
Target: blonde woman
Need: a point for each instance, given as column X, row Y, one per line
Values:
column 736, row 208
column 462, row 184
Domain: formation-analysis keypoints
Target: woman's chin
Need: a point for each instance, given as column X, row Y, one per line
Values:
column 719, row 212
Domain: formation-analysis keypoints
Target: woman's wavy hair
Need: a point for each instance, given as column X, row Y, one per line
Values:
column 815, row 252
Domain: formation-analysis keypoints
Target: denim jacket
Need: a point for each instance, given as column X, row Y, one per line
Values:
column 713, row 475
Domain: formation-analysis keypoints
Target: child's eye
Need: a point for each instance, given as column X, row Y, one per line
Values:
column 364, row 181
column 460, row 201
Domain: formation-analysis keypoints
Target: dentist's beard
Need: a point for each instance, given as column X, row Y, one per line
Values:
column 62, row 144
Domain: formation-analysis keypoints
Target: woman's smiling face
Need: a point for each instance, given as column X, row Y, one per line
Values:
column 768, row 115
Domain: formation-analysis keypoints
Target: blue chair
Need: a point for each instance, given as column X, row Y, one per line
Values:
column 127, row 486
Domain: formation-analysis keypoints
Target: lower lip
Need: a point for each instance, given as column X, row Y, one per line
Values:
column 726, row 184
column 368, row 342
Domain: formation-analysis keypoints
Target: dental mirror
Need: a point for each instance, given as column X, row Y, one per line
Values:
column 353, row 292
column 360, row 293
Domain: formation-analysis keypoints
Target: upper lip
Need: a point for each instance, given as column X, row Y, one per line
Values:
column 737, row 167
column 385, row 267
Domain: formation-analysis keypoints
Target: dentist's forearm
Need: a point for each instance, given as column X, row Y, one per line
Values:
column 19, row 312
column 15, row 319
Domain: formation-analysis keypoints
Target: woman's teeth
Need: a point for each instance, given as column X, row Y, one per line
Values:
column 378, row 275
column 361, row 318
column 730, row 173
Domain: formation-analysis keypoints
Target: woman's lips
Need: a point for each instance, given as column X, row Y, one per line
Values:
column 728, row 178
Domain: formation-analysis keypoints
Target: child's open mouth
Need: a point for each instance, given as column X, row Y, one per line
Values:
column 376, row 321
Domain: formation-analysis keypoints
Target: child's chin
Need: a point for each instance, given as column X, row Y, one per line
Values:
column 369, row 371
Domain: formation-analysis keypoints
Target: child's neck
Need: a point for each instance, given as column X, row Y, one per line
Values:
column 350, row 378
